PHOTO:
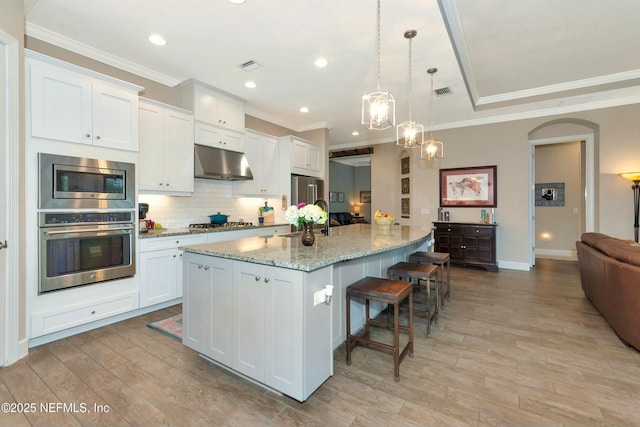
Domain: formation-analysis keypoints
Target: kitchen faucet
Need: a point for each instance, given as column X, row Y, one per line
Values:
column 324, row 206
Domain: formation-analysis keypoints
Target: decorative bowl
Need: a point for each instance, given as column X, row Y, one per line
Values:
column 385, row 221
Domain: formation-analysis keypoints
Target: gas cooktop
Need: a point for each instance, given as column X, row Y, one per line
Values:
column 204, row 226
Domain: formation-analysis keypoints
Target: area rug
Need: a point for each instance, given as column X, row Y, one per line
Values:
column 171, row 326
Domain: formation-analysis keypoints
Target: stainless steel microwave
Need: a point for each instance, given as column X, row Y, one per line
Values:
column 75, row 183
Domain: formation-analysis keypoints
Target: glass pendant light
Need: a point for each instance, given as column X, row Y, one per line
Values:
column 378, row 108
column 410, row 134
column 432, row 148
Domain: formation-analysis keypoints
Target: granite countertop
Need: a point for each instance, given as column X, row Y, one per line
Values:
column 164, row 232
column 286, row 250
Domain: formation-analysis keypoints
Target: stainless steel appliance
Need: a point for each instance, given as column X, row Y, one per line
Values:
column 233, row 225
column 216, row 163
column 305, row 189
column 143, row 208
column 81, row 248
column 77, row 183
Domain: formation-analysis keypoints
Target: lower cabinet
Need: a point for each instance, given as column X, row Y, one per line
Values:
column 468, row 243
column 260, row 321
column 160, row 267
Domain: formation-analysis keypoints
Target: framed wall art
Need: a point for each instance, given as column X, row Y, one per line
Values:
column 404, row 184
column 341, row 197
column 473, row 187
column 365, row 197
column 405, row 207
column 333, row 196
column 404, row 165
column 549, row 194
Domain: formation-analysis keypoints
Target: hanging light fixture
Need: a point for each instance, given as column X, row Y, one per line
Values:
column 378, row 108
column 410, row 134
column 432, row 148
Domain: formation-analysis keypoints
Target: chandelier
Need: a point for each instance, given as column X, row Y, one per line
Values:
column 410, row 134
column 432, row 148
column 378, row 108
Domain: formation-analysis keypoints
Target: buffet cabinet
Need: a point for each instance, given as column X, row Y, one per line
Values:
column 468, row 243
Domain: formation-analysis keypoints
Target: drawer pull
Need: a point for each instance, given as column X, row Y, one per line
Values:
column 266, row 280
column 257, row 278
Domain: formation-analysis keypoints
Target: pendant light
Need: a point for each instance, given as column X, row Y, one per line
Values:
column 378, row 108
column 432, row 148
column 410, row 134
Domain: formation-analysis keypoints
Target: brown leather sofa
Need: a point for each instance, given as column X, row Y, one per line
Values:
column 610, row 277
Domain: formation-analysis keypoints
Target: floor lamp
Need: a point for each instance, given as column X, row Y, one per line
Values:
column 635, row 177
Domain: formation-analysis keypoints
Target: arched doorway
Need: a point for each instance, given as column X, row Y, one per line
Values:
column 560, row 132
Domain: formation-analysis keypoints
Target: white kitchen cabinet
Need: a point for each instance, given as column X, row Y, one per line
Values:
column 262, row 154
column 160, row 267
column 212, row 106
column 306, row 158
column 207, row 307
column 69, row 103
column 272, row 322
column 230, row 234
column 273, row 230
column 166, row 148
column 219, row 138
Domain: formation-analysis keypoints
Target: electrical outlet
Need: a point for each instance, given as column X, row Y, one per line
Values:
column 318, row 297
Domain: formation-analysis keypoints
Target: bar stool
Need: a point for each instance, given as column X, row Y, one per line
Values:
column 425, row 272
column 440, row 259
column 386, row 291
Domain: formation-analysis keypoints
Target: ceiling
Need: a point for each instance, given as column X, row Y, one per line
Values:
column 501, row 59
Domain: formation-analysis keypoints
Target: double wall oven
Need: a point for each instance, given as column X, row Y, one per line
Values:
column 86, row 221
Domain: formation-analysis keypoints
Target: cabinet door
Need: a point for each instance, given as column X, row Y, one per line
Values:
column 205, row 105
column 269, row 167
column 115, row 117
column 60, row 104
column 178, row 152
column 196, row 306
column 262, row 155
column 218, row 138
column 158, row 276
column 299, row 157
column 314, row 159
column 249, row 331
column 230, row 114
column 283, row 323
column 151, row 161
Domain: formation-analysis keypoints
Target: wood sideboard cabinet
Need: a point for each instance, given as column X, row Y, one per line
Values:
column 468, row 243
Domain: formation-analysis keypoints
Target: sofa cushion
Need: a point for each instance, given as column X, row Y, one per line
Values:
column 610, row 245
column 592, row 238
column 629, row 253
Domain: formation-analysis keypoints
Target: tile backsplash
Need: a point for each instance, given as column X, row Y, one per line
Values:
column 209, row 197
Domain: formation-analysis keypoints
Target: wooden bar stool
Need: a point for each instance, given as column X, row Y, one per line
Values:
column 391, row 292
column 440, row 259
column 426, row 273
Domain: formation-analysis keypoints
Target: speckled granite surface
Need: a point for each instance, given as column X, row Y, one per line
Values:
column 164, row 232
column 344, row 243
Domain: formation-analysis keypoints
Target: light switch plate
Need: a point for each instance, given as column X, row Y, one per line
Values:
column 318, row 297
column 424, row 211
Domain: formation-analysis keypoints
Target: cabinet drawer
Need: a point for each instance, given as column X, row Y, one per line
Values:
column 53, row 321
column 449, row 229
column 170, row 242
column 478, row 231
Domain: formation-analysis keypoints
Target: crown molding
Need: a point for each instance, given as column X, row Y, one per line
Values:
column 64, row 42
column 258, row 114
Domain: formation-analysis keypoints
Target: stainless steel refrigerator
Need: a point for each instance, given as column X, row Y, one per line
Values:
column 306, row 189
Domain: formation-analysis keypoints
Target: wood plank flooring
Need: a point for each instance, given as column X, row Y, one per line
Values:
column 512, row 349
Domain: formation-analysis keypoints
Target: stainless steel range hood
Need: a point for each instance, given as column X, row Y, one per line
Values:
column 215, row 163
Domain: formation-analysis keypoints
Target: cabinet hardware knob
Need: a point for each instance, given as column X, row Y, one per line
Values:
column 167, row 184
column 98, row 137
column 88, row 135
column 199, row 265
column 3, row 245
column 206, row 267
column 266, row 280
column 93, row 312
column 177, row 241
column 257, row 278
column 160, row 184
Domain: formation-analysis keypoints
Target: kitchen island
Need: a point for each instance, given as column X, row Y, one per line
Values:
column 259, row 306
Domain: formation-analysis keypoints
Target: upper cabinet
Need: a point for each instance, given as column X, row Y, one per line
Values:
column 306, row 158
column 212, row 106
column 262, row 155
column 69, row 103
column 166, row 148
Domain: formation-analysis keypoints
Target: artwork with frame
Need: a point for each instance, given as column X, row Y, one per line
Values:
column 472, row 187
column 405, row 207
column 404, row 184
column 404, row 165
column 365, row 197
column 333, row 196
column 341, row 197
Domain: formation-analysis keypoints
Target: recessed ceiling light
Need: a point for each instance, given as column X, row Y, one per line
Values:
column 237, row 1
column 304, row 110
column 250, row 84
column 355, row 133
column 157, row 39
column 320, row 62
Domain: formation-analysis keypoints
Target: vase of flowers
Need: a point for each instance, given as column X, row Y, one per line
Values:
column 304, row 216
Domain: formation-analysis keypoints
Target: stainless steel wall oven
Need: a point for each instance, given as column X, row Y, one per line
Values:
column 81, row 248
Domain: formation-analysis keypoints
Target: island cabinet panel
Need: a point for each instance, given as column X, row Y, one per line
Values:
column 468, row 243
column 207, row 307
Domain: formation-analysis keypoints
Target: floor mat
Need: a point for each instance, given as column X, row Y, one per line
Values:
column 171, row 326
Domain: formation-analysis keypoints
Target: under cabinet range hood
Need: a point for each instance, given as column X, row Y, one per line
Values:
column 215, row 163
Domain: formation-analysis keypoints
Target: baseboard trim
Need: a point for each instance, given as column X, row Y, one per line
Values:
column 512, row 265
column 569, row 255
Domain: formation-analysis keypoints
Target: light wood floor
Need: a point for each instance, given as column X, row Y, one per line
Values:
column 512, row 348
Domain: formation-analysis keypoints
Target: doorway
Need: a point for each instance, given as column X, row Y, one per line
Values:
column 576, row 210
